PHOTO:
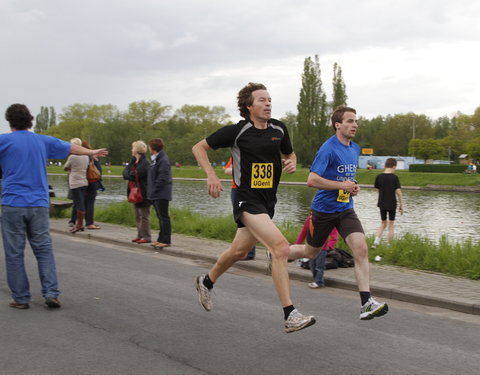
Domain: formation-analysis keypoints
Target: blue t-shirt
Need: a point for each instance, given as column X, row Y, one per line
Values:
column 23, row 159
column 338, row 162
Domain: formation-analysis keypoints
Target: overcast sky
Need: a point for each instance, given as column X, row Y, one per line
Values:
column 396, row 56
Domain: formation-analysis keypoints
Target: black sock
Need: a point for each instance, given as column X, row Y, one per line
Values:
column 287, row 310
column 364, row 296
column 207, row 282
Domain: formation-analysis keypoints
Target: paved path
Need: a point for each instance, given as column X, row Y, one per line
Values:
column 398, row 283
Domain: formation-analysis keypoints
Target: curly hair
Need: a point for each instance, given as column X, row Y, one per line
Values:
column 337, row 115
column 245, row 98
column 19, row 117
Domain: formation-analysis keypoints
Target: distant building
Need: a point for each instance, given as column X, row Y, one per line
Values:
column 403, row 162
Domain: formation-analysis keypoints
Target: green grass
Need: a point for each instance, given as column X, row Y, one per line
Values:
column 411, row 251
column 446, row 256
column 363, row 176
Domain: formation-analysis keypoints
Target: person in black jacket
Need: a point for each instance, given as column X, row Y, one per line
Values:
column 136, row 172
column 159, row 190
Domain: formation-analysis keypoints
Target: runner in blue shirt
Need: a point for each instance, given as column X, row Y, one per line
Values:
column 333, row 174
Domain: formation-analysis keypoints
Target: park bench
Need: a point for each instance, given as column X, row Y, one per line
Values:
column 56, row 206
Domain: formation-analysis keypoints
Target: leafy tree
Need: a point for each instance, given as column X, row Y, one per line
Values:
column 339, row 89
column 312, row 129
column 394, row 137
column 147, row 114
column 473, row 149
column 42, row 121
column 426, row 148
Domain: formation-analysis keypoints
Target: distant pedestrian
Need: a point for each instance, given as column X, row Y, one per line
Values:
column 388, row 185
column 77, row 165
column 159, row 190
column 136, row 173
column 25, row 203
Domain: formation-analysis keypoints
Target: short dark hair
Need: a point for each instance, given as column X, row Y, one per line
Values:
column 156, row 144
column 19, row 117
column 245, row 98
column 390, row 163
column 337, row 115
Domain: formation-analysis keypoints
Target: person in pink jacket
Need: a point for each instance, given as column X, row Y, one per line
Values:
column 317, row 265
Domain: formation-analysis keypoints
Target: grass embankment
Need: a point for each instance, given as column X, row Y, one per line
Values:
column 363, row 176
column 412, row 251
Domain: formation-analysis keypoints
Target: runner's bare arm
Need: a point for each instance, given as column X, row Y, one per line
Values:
column 213, row 182
column 318, row 182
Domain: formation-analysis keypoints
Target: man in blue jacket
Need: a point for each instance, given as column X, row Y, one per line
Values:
column 25, row 203
column 159, row 190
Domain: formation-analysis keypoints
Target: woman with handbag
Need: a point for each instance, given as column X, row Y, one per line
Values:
column 77, row 166
column 136, row 173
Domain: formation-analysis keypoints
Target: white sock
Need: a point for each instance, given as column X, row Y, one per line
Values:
column 376, row 242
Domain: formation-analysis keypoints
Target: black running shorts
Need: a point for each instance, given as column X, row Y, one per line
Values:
column 321, row 224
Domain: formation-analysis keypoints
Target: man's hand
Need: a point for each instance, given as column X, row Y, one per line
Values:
column 289, row 166
column 350, row 187
column 356, row 189
column 214, row 186
column 101, row 152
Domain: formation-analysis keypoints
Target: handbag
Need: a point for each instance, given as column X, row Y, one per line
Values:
column 135, row 194
column 92, row 171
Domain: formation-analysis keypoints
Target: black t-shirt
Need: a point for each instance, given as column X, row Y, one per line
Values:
column 256, row 154
column 387, row 183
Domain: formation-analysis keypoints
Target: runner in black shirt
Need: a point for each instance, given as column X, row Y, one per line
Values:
column 256, row 144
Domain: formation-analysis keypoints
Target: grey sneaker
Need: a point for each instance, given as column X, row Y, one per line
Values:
column 297, row 321
column 373, row 309
column 204, row 294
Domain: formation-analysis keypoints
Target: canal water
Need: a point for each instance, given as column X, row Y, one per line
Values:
column 427, row 213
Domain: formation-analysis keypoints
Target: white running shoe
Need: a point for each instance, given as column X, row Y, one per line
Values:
column 297, row 321
column 204, row 294
column 314, row 285
column 373, row 309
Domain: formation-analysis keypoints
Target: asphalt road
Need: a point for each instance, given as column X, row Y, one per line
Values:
column 135, row 312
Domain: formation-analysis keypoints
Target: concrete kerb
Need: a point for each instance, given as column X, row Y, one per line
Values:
column 296, row 273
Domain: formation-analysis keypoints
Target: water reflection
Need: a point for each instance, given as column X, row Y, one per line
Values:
column 427, row 213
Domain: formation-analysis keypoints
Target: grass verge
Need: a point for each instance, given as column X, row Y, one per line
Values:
column 411, row 251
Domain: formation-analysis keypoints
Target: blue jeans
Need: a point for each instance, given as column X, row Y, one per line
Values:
column 19, row 223
column 317, row 266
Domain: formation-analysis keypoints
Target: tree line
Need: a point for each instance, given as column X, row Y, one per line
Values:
column 398, row 134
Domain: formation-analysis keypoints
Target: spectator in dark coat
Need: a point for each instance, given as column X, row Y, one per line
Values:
column 159, row 190
column 137, row 172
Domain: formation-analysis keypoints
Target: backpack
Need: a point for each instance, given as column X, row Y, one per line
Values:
column 339, row 258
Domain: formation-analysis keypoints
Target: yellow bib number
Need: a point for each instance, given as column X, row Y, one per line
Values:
column 343, row 196
column 262, row 176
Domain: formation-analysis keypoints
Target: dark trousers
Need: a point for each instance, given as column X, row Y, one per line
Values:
column 89, row 199
column 90, row 196
column 161, row 208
